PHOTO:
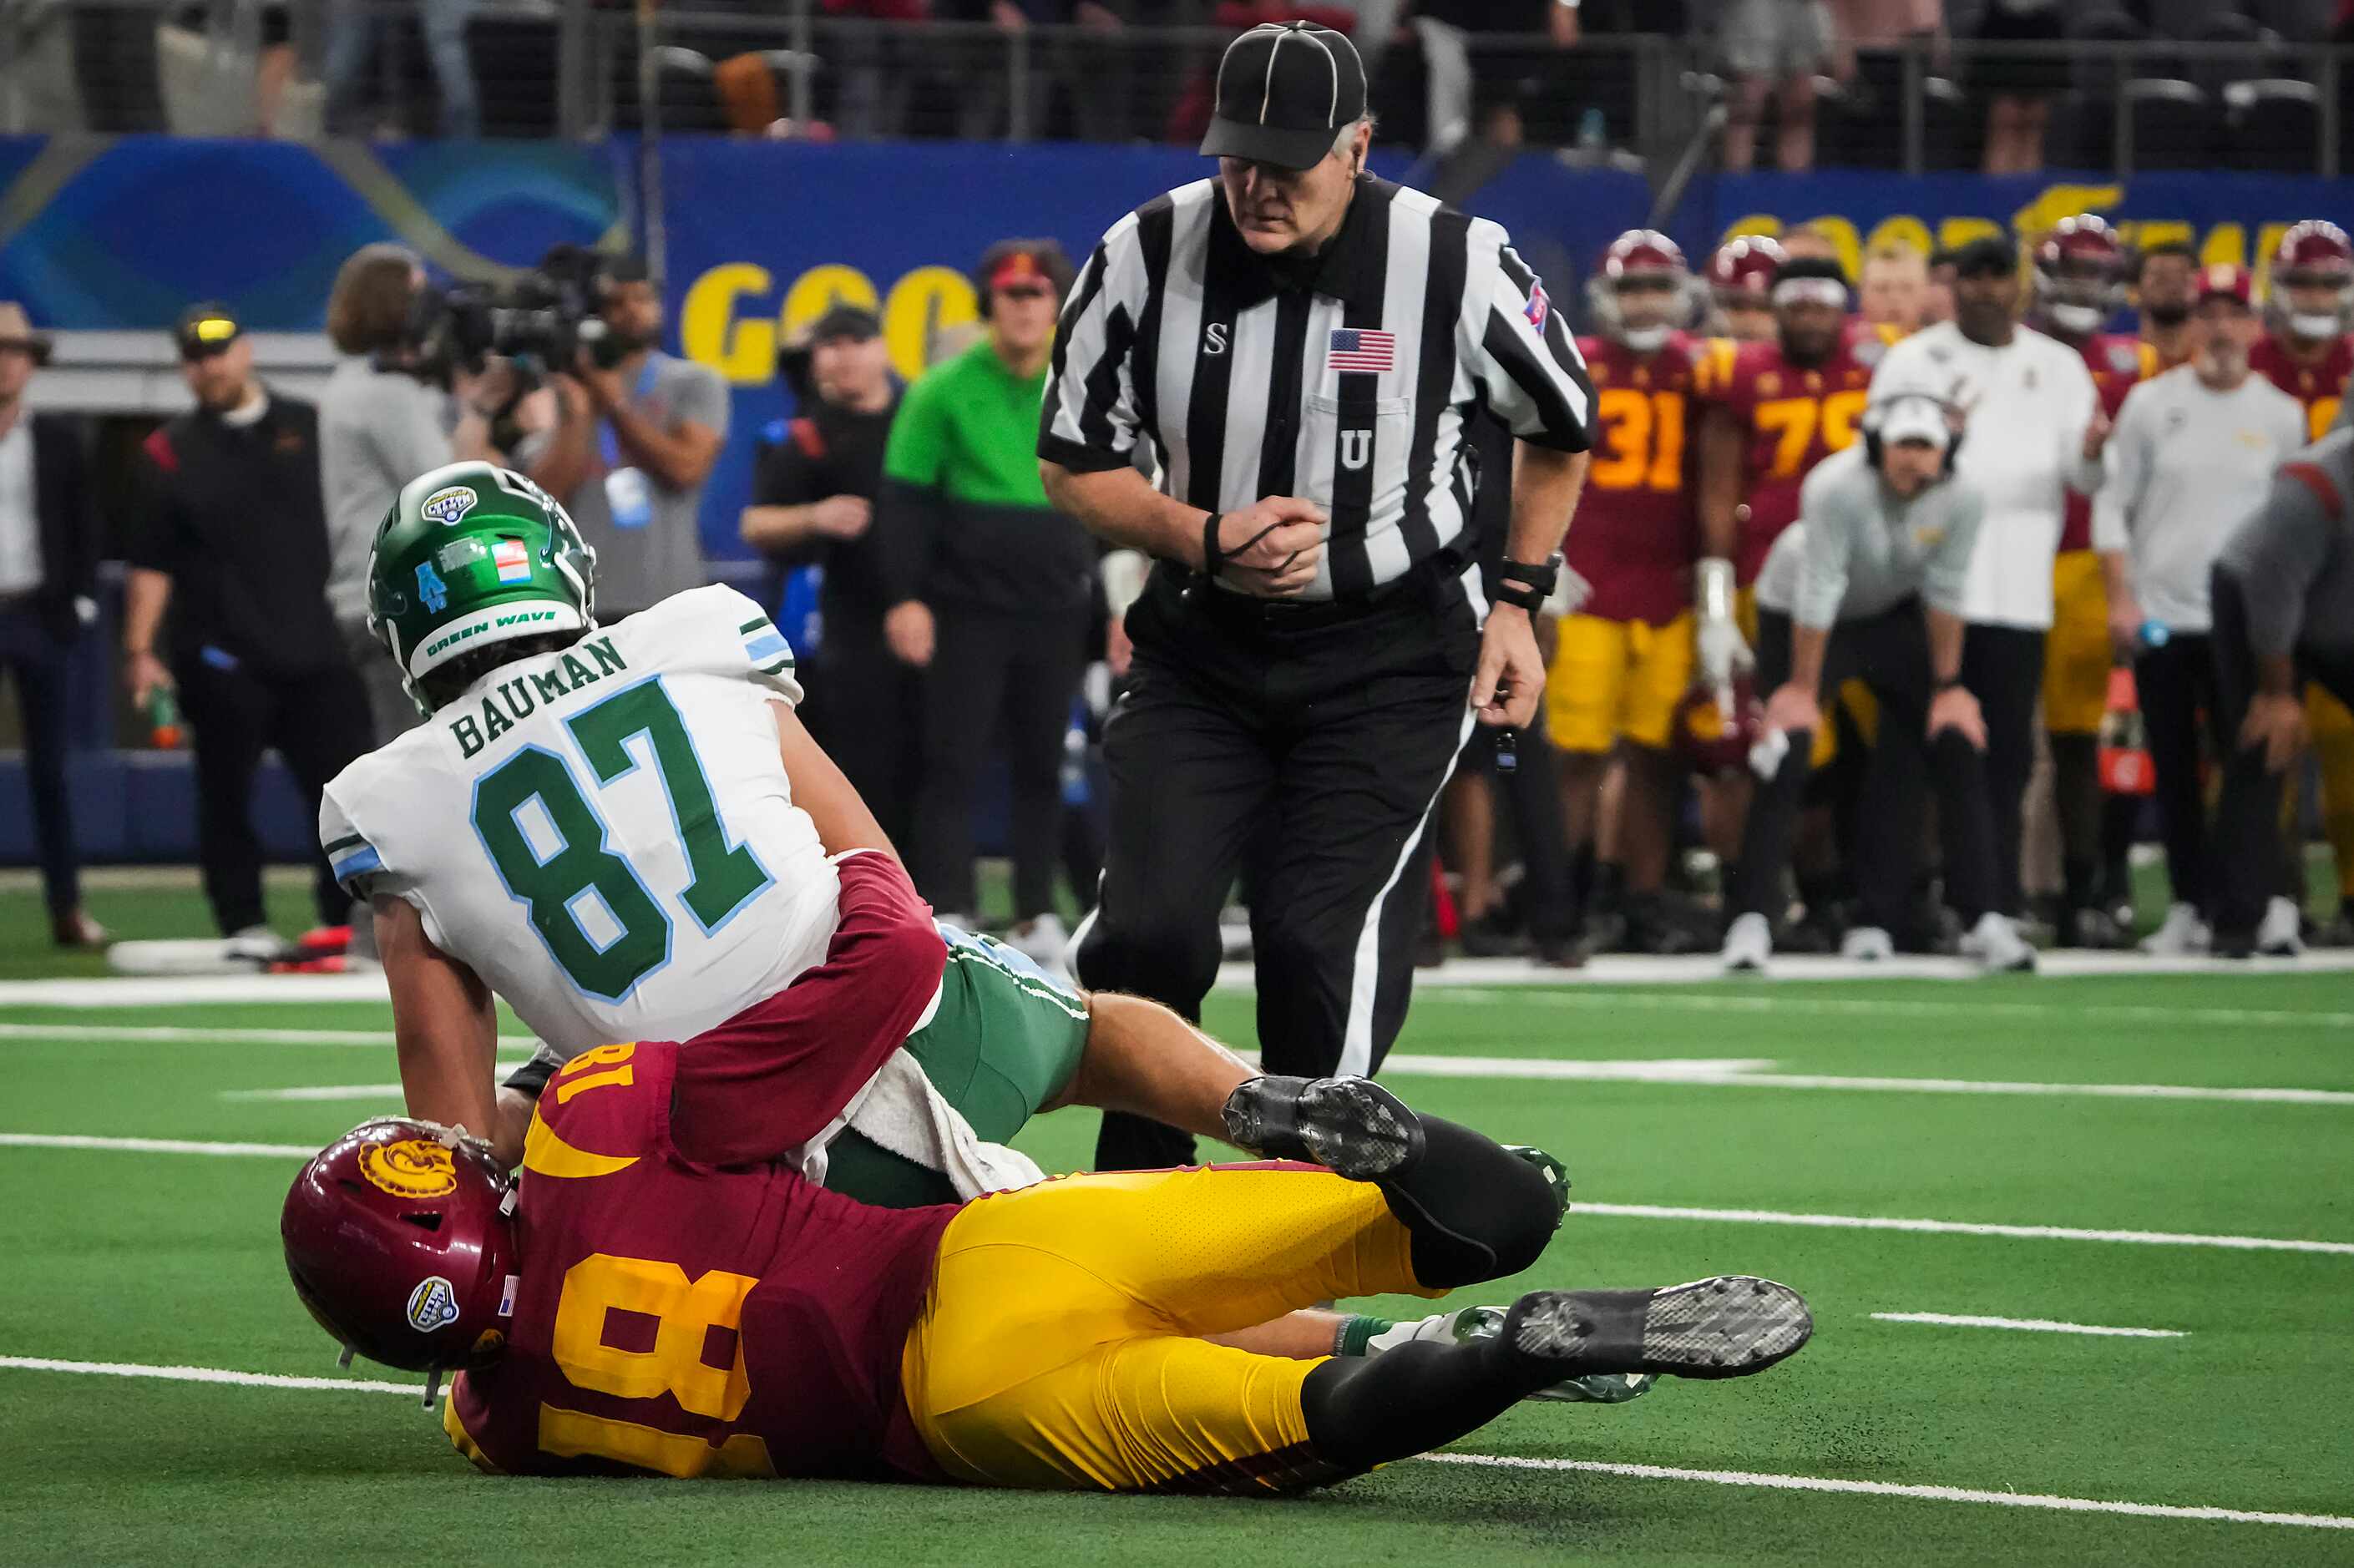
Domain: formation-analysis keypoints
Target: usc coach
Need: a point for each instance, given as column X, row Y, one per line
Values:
column 1292, row 351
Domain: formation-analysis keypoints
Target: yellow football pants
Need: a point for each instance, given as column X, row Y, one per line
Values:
column 1056, row 1349
column 2332, row 728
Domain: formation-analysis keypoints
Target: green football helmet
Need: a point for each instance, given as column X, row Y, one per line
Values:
column 471, row 555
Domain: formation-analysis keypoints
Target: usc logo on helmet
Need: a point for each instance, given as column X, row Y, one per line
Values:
column 410, row 1167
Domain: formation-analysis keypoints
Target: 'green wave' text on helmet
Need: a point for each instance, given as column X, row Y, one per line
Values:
column 471, row 555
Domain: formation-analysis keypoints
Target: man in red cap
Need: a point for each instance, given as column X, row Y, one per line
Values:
column 2189, row 447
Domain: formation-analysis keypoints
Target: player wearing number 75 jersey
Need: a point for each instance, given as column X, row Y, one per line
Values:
column 663, row 1292
column 626, row 834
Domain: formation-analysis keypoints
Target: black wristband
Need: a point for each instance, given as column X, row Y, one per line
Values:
column 1520, row 595
column 1540, row 576
column 1213, row 558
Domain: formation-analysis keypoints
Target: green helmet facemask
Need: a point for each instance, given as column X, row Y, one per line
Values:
column 471, row 555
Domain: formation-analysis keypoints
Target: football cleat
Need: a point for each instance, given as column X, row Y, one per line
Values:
column 2182, row 934
column 1748, row 943
column 1867, row 944
column 1729, row 1326
column 1556, row 1173
column 1350, row 1126
column 1996, row 946
column 1469, row 1324
column 2281, row 933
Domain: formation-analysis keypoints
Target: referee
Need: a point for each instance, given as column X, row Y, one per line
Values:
column 1292, row 351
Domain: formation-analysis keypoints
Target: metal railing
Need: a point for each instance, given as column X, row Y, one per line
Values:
column 586, row 69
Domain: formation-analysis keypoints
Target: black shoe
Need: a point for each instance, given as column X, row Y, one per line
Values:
column 1730, row 1326
column 2232, row 945
column 2089, row 928
column 1351, row 1127
column 1487, row 937
column 1553, row 953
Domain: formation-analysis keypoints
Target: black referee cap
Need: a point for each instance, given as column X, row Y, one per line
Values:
column 1285, row 89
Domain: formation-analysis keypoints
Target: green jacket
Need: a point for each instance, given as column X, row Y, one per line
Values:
column 963, row 516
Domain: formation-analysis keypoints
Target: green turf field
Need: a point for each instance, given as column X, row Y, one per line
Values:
column 122, row 1256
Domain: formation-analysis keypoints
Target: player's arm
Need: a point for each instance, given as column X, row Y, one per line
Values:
column 445, row 1025
column 678, row 455
column 819, row 789
column 760, row 1086
column 1721, row 648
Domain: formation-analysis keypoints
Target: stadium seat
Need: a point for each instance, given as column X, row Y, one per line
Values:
column 2273, row 124
column 2174, row 124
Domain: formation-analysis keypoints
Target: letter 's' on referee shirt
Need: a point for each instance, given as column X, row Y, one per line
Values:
column 1350, row 392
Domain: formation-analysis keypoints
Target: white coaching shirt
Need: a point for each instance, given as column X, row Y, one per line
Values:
column 2027, row 404
column 606, row 834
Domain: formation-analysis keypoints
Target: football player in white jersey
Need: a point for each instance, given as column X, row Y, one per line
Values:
column 627, row 834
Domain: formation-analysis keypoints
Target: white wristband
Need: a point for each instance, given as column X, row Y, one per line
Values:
column 1714, row 585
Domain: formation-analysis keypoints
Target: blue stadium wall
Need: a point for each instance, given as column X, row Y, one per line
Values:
column 119, row 233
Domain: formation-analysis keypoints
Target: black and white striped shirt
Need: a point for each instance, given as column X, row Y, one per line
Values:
column 1179, row 336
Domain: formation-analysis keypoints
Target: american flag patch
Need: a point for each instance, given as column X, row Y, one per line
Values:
column 1538, row 307
column 1359, row 352
column 513, row 559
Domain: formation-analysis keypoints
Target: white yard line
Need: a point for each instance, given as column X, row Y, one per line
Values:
column 1894, row 1489
column 186, row 1034
column 1669, row 1000
column 208, row 1374
column 155, row 1145
column 1616, row 1211
column 1739, row 1075
column 1459, row 973
column 1957, row 1228
column 1587, row 1467
column 2033, row 1325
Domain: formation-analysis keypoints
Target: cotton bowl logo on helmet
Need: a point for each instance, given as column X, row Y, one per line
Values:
column 505, row 560
column 411, row 1168
column 446, row 506
column 433, row 1305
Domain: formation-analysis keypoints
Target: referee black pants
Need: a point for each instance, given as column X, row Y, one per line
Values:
column 1890, row 653
column 318, row 720
column 2246, row 844
column 1308, row 740
column 2176, row 687
column 2003, row 668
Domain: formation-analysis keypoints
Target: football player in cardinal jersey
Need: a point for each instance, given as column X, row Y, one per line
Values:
column 1117, row 1332
column 1740, row 286
column 2309, row 354
column 1775, row 409
column 2166, row 288
column 2079, row 284
column 1623, row 661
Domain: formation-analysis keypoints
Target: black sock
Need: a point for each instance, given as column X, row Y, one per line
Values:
column 1474, row 1211
column 1412, row 1399
column 1610, row 887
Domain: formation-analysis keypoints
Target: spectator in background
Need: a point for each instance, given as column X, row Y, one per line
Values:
column 2019, row 89
column 2166, row 286
column 381, row 424
column 357, row 32
column 1937, row 298
column 230, row 534
column 1776, row 47
column 1894, row 289
column 813, row 503
column 991, row 592
column 636, row 434
column 49, row 559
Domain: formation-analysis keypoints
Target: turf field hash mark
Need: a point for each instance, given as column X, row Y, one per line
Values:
column 1739, row 1075
column 180, row 1034
column 206, row 1374
column 1674, row 999
column 2033, row 1325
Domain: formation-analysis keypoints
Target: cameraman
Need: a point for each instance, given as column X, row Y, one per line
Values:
column 635, row 436
column 383, row 420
